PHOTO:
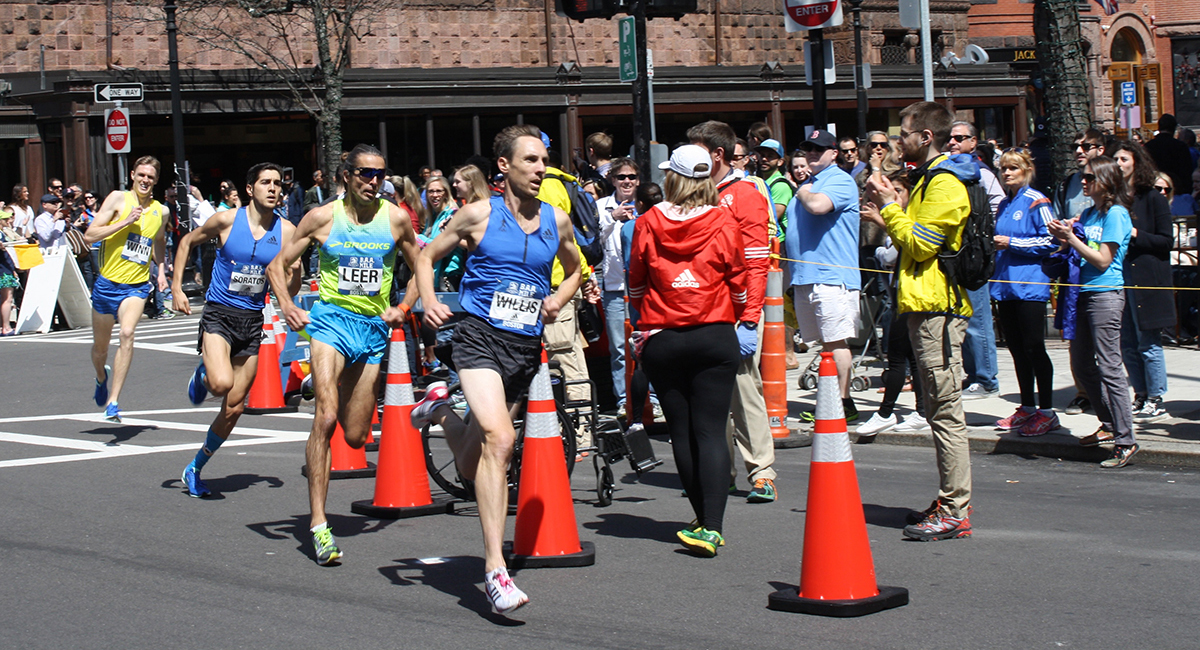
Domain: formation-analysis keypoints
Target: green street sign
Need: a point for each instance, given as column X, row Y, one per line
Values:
column 628, row 48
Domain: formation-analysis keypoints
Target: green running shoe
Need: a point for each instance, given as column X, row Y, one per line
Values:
column 326, row 548
column 701, row 541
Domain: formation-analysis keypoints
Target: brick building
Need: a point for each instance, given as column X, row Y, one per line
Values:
column 432, row 80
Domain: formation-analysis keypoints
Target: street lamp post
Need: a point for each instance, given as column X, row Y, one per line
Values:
column 181, row 196
column 860, row 89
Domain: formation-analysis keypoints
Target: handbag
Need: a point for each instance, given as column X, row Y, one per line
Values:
column 591, row 323
column 79, row 246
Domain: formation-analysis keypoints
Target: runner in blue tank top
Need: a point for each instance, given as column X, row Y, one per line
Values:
column 231, row 327
column 511, row 244
column 358, row 235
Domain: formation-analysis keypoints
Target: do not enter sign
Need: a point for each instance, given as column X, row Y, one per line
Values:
column 116, row 130
column 800, row 15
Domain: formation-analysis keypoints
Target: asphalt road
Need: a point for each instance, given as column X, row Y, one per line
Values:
column 104, row 550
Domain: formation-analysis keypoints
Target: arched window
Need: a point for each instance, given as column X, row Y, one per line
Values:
column 1127, row 46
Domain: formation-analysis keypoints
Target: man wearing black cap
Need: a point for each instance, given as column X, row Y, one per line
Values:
column 51, row 225
column 823, row 235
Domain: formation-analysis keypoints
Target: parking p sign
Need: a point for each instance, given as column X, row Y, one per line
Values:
column 1128, row 93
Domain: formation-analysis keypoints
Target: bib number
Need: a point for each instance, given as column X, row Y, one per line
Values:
column 137, row 249
column 516, row 306
column 360, row 276
column 247, row 280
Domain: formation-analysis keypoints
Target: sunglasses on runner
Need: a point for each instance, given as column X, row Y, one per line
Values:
column 626, row 177
column 369, row 173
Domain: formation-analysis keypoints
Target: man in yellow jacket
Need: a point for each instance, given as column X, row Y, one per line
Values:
column 933, row 220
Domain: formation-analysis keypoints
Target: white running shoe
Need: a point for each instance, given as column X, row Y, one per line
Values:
column 436, row 394
column 912, row 424
column 877, row 424
column 502, row 592
column 977, row 391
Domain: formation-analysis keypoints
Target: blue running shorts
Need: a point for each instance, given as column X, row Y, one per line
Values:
column 108, row 295
column 358, row 338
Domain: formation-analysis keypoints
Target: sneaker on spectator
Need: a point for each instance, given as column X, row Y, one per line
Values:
column 1152, row 411
column 1016, row 420
column 939, row 525
column 1078, row 405
column 877, row 425
column 1139, row 402
column 1039, row 424
column 658, row 412
column 1121, row 455
column 977, row 391
column 763, row 492
column 912, row 423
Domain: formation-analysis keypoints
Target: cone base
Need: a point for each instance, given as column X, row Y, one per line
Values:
column 793, row 440
column 337, row 474
column 266, row 411
column 368, row 508
column 585, row 557
column 789, row 600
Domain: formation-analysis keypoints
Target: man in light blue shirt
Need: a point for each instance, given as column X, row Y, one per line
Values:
column 823, row 224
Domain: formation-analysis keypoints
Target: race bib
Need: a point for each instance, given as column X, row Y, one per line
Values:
column 516, row 306
column 247, row 280
column 137, row 249
column 359, row 275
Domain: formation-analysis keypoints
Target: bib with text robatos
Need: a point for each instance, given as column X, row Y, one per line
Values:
column 360, row 275
column 247, row 279
column 137, row 249
column 517, row 306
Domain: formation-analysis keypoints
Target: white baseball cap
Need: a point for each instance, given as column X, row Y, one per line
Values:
column 686, row 159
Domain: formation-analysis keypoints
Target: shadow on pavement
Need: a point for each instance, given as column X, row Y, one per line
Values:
column 634, row 527
column 121, row 433
column 297, row 528
column 886, row 516
column 457, row 576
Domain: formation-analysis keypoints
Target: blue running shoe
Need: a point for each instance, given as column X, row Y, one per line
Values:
column 197, row 391
column 195, row 487
column 112, row 413
column 101, row 395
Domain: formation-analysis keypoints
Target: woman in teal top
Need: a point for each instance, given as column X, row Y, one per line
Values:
column 1096, row 349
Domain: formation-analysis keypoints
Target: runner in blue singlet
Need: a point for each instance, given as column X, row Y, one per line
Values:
column 511, row 240
column 232, row 324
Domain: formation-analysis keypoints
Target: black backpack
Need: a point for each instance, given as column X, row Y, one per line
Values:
column 586, row 219
column 972, row 265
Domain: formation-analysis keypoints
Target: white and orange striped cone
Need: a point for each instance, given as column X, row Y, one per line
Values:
column 266, row 393
column 837, row 575
column 546, row 533
column 401, row 482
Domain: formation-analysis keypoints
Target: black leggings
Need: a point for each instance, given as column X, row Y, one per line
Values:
column 693, row 370
column 900, row 360
column 1024, row 326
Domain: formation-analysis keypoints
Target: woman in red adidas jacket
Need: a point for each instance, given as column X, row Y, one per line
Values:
column 687, row 282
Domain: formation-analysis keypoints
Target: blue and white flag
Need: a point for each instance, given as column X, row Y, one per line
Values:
column 1109, row 6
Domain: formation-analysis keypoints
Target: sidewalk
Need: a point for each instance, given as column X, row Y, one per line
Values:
column 1174, row 442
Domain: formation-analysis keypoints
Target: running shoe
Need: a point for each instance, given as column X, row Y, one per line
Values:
column 1015, row 421
column 1039, row 424
column 656, row 409
column 112, row 413
column 876, row 425
column 436, row 394
column 165, row 314
column 197, row 391
column 701, row 541
column 917, row 516
column 695, row 525
column 326, row 548
column 1100, row 437
column 977, row 391
column 101, row 394
column 850, row 414
column 195, row 487
column 1139, row 402
column 306, row 388
column 913, row 423
column 1120, row 457
column 763, row 492
column 937, row 526
column 1078, row 405
column 1151, row 412
column 505, row 595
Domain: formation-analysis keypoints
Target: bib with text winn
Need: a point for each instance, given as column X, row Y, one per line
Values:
column 137, row 249
column 516, row 306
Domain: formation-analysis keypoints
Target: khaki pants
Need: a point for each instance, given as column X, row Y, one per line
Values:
column 748, row 427
column 565, row 344
column 937, row 345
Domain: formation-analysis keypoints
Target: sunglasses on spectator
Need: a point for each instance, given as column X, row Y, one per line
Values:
column 1163, row 188
column 369, row 173
column 1086, row 146
column 850, row 150
column 879, row 145
column 626, row 177
column 738, row 156
column 960, row 138
column 56, row 187
column 1091, row 178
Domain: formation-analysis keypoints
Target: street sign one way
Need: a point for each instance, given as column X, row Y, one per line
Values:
column 103, row 93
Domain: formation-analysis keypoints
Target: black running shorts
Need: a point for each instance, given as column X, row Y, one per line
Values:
column 516, row 357
column 241, row 328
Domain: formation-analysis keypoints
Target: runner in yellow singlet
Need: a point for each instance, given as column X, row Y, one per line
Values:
column 129, row 227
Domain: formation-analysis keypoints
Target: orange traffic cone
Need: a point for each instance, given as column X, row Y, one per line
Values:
column 345, row 461
column 401, row 482
column 837, row 575
column 266, row 393
column 773, row 361
column 546, row 534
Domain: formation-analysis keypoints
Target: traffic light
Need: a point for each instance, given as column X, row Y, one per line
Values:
column 582, row 9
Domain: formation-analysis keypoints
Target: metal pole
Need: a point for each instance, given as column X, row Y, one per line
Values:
column 641, row 104
column 182, row 190
column 429, row 152
column 820, row 116
column 926, row 51
column 860, row 89
column 650, row 96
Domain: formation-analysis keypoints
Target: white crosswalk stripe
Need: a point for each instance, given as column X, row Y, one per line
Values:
column 177, row 335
